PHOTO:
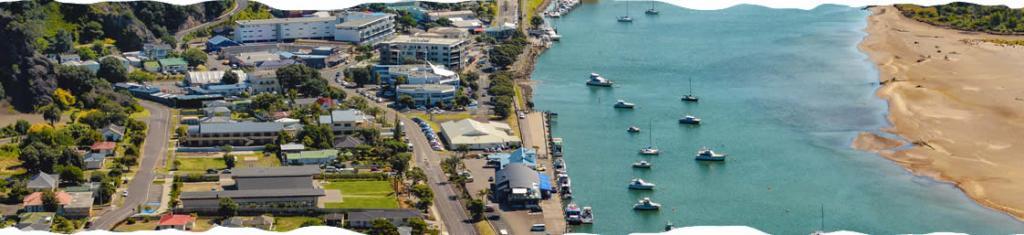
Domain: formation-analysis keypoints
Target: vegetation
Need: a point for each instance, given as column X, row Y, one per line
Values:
column 306, row 80
column 288, row 223
column 383, row 227
column 363, row 194
column 968, row 16
column 195, row 57
column 502, row 91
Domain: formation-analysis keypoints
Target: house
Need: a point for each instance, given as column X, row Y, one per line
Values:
column 450, row 52
column 262, row 222
column 334, row 219
column 397, row 217
column 90, row 65
column 173, row 65
column 201, row 78
column 276, row 187
column 428, row 95
column 518, row 185
column 80, row 205
column 35, row 221
column 43, row 182
column 346, row 121
column 215, row 43
column 113, row 133
column 273, row 65
column 104, row 147
column 292, row 147
column 477, row 135
column 318, row 157
column 217, row 111
column 34, row 201
column 234, row 134
column 179, row 222
column 347, row 142
column 94, row 161
column 155, row 51
column 526, row 156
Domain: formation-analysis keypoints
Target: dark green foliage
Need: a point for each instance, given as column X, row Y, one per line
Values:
column 50, row 202
column 112, row 70
column 383, row 227
column 361, row 75
column 227, row 207
column 196, row 57
column 303, row 79
column 317, row 136
column 229, row 78
column 968, row 16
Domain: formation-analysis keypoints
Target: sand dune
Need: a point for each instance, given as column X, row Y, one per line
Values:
column 960, row 101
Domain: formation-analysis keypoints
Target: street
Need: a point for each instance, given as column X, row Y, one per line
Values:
column 241, row 4
column 154, row 150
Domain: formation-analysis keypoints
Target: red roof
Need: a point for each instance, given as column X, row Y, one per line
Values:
column 36, row 198
column 175, row 220
column 105, row 145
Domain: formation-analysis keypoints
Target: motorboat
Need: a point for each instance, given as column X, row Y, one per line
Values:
column 622, row 104
column 689, row 119
column 640, row 184
column 598, row 80
column 646, row 204
column 642, row 164
column 587, row 215
column 633, row 129
column 650, row 150
column 706, row 154
column 572, row 214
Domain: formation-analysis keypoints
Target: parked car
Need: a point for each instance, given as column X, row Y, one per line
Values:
column 538, row 228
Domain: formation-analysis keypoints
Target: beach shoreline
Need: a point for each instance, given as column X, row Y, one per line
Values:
column 951, row 97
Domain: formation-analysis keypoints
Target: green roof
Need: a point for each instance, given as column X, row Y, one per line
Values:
column 328, row 153
column 172, row 62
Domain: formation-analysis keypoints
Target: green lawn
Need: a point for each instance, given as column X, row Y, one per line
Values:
column 139, row 225
column 439, row 118
column 288, row 223
column 9, row 163
column 363, row 194
column 200, row 164
column 261, row 161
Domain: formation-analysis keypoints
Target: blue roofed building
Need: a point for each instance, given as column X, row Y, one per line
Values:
column 94, row 161
column 215, row 43
column 412, row 7
column 525, row 156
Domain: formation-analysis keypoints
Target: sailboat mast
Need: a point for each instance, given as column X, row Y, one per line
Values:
column 822, row 218
column 691, row 86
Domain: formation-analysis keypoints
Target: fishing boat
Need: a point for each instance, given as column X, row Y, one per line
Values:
column 598, row 80
column 642, row 164
column 689, row 119
column 622, row 104
column 652, row 11
column 626, row 18
column 706, row 154
column 640, row 184
column 650, row 149
column 587, row 216
column 646, row 204
column 633, row 129
column 690, row 97
column 572, row 214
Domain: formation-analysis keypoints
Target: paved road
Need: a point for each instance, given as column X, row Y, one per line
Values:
column 508, row 12
column 154, row 151
column 241, row 4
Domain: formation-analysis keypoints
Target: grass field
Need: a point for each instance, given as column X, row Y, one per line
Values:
column 9, row 163
column 260, row 160
column 531, row 9
column 288, row 223
column 363, row 194
column 190, row 165
column 439, row 118
column 484, row 228
column 137, row 226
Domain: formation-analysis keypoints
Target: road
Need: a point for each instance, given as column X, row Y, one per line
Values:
column 154, row 151
column 508, row 12
column 241, row 4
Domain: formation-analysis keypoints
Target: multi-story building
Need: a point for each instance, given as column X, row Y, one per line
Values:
column 264, row 81
column 234, row 134
column 428, row 95
column 356, row 27
column 450, row 52
column 365, row 28
column 417, row 74
column 346, row 121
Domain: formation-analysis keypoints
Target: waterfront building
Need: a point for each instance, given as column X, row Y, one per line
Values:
column 416, row 74
column 518, row 185
column 450, row 52
column 356, row 27
column 477, row 135
column 428, row 95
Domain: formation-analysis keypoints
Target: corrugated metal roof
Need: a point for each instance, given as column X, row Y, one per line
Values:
column 239, row 127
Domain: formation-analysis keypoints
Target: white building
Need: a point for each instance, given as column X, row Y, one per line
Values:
column 446, row 32
column 346, row 121
column 356, row 27
column 417, row 74
column 428, row 94
column 450, row 52
column 436, row 15
column 264, row 81
column 477, row 135
column 199, row 78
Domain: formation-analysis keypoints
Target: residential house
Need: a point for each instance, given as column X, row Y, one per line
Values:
column 113, row 133
column 428, row 95
column 173, row 65
column 90, row 65
column 217, row 111
column 518, row 185
column 173, row 221
column 80, row 205
column 155, row 51
column 478, row 135
column 276, row 187
column 334, row 219
column 234, row 134
column 104, row 147
column 215, row 43
column 34, row 201
column 35, row 221
column 261, row 222
column 94, row 161
column 317, row 157
column 450, row 52
column 43, row 182
column 347, row 142
column 346, row 121
column 397, row 217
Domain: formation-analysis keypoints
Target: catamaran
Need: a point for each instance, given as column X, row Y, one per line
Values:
column 706, row 154
column 640, row 184
column 690, row 97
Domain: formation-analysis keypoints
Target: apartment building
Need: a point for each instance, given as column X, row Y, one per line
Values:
column 234, row 134
column 450, row 52
column 428, row 95
column 417, row 74
column 365, row 28
column 357, row 27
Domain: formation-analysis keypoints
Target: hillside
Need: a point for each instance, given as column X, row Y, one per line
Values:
column 968, row 16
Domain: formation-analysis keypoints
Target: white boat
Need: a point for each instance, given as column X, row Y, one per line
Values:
column 587, row 215
column 690, row 97
column 652, row 11
column 598, row 80
column 689, row 119
column 706, row 154
column 622, row 104
column 642, row 164
column 572, row 214
column 640, row 184
column 646, row 204
column 650, row 149
column 633, row 129
column 626, row 18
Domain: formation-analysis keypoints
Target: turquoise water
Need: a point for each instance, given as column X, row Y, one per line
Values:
column 784, row 92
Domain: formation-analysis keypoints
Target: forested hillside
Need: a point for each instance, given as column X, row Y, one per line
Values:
column 968, row 16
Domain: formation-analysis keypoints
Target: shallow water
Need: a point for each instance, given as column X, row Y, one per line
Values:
column 783, row 92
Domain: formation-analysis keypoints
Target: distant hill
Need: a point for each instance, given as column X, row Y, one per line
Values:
column 968, row 16
column 32, row 28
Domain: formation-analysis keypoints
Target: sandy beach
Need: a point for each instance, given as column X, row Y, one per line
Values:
column 957, row 100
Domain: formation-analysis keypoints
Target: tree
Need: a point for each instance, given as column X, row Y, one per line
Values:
column 536, row 21
column 416, row 175
column 418, row 226
column 50, row 202
column 319, row 136
column 382, row 226
column 229, row 78
column 443, row 21
column 303, row 79
column 63, row 98
column 424, row 194
column 227, row 207
column 112, row 70
column 62, row 42
column 194, row 57
column 476, row 209
column 107, row 190
column 181, row 131
column 71, row 174
column 51, row 113
column 229, row 160
column 400, row 163
column 398, row 135
column 21, row 126
column 86, row 53
column 140, row 75
column 91, row 31
column 406, row 101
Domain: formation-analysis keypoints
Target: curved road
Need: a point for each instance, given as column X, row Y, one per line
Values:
column 240, row 4
column 154, row 150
